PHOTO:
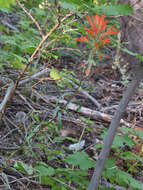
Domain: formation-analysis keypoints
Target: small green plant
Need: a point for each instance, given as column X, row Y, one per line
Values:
column 96, row 37
column 44, row 153
column 112, row 171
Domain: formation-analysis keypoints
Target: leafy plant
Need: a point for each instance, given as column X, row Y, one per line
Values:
column 43, row 144
column 112, row 171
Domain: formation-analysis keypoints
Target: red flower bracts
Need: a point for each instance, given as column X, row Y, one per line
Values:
column 98, row 31
column 98, row 34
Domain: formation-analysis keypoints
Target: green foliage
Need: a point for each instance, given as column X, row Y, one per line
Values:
column 112, row 171
column 27, row 169
column 6, row 3
column 116, row 175
column 80, row 158
column 111, row 10
column 17, row 47
column 44, row 170
column 32, row 3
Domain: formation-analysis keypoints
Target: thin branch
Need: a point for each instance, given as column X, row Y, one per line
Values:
column 83, row 110
column 113, row 128
column 36, row 75
column 8, row 95
column 12, row 87
column 32, row 18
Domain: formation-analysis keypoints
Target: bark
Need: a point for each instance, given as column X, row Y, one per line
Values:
column 132, row 33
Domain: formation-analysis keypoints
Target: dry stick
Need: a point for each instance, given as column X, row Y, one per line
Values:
column 36, row 75
column 8, row 95
column 83, row 110
column 84, row 92
column 113, row 128
column 33, row 19
column 12, row 87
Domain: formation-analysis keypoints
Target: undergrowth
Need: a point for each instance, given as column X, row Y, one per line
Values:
column 44, row 157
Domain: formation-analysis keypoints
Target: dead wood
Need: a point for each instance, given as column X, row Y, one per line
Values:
column 11, row 89
column 83, row 110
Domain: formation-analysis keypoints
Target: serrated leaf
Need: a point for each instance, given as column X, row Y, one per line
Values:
column 126, row 179
column 110, row 163
column 80, row 158
column 119, row 141
column 44, row 169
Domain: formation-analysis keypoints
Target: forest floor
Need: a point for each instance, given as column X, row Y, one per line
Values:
column 45, row 117
column 36, row 104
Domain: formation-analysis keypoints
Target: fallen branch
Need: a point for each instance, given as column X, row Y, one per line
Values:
column 83, row 110
column 96, row 103
column 12, row 87
column 8, row 95
column 84, row 92
column 36, row 75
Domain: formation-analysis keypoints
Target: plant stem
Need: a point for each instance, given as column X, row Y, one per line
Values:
column 138, row 75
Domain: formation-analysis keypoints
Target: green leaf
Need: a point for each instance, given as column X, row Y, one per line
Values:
column 124, row 179
column 16, row 63
column 120, row 140
column 121, row 9
column 80, row 158
column 6, row 3
column 54, row 74
column 3, row 28
column 70, row 6
column 132, row 131
column 28, row 169
column 44, row 169
column 110, row 163
column 46, row 180
column 130, row 156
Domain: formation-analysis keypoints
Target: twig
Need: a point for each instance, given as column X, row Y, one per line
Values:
column 25, row 100
column 131, row 104
column 9, row 25
column 8, row 95
column 83, row 110
column 32, row 18
column 96, row 103
column 36, row 75
column 84, row 92
column 12, row 87
column 113, row 127
column 106, row 184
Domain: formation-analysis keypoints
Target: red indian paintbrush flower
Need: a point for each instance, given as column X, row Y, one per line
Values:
column 99, row 36
column 98, row 31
